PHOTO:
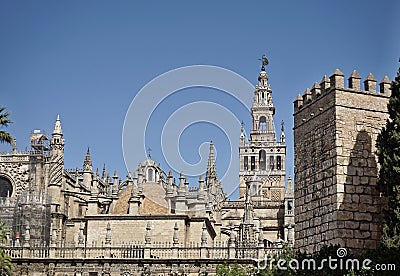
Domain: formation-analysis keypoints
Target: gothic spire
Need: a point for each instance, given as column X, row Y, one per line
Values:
column 211, row 168
column 211, row 156
column 57, row 126
column 87, row 163
column 104, row 173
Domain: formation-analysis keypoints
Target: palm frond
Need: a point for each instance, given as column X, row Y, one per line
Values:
column 4, row 120
column 5, row 137
column 6, row 266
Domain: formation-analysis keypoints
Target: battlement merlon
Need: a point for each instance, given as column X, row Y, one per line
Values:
column 336, row 82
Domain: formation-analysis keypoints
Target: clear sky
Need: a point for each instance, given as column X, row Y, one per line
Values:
column 86, row 60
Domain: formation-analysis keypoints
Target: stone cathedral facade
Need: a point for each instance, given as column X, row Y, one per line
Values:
column 89, row 222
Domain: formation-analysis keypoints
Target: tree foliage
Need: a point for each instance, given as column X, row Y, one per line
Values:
column 288, row 259
column 388, row 147
column 5, row 137
column 232, row 270
column 6, row 266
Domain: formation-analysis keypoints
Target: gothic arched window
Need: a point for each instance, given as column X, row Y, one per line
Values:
column 150, row 175
column 262, row 160
column 6, row 187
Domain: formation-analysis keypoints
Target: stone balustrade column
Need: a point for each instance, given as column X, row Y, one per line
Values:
column 53, row 242
column 261, row 251
column 147, row 244
column 26, row 247
column 107, row 246
column 232, row 246
column 81, row 242
column 203, row 248
column 175, row 242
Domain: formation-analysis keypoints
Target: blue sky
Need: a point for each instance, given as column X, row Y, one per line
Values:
column 86, row 60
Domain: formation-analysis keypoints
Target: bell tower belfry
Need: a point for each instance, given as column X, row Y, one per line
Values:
column 262, row 154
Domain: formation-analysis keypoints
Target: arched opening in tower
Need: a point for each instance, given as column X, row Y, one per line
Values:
column 263, row 124
column 262, row 160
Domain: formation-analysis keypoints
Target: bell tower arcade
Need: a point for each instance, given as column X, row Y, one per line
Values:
column 262, row 155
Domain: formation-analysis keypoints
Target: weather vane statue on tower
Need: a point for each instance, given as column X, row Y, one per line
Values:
column 264, row 62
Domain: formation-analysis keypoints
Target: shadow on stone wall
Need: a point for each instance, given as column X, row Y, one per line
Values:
column 360, row 213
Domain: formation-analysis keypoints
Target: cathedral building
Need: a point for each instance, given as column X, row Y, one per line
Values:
column 86, row 222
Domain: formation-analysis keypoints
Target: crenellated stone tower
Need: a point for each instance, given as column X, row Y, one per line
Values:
column 262, row 154
column 335, row 129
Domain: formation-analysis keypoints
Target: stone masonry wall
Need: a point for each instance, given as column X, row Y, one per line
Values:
column 359, row 120
column 130, row 228
column 335, row 130
column 16, row 168
column 315, row 157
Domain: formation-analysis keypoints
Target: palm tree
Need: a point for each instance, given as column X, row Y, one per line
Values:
column 6, row 266
column 5, row 137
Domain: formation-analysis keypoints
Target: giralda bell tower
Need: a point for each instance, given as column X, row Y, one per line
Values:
column 262, row 157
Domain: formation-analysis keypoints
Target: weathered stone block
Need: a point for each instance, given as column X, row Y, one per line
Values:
column 332, row 225
column 354, row 243
column 351, row 170
column 362, row 216
column 360, row 170
column 340, row 224
column 373, row 227
column 372, row 181
column 349, row 189
column 361, row 234
column 364, row 226
column 326, row 200
column 366, row 199
column 349, row 207
column 345, row 233
column 362, row 207
column 345, row 215
column 359, row 189
column 364, row 180
column 352, row 224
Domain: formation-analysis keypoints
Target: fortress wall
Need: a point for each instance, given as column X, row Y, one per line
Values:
column 335, row 130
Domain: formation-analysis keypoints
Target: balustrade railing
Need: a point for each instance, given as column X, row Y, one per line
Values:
column 137, row 252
